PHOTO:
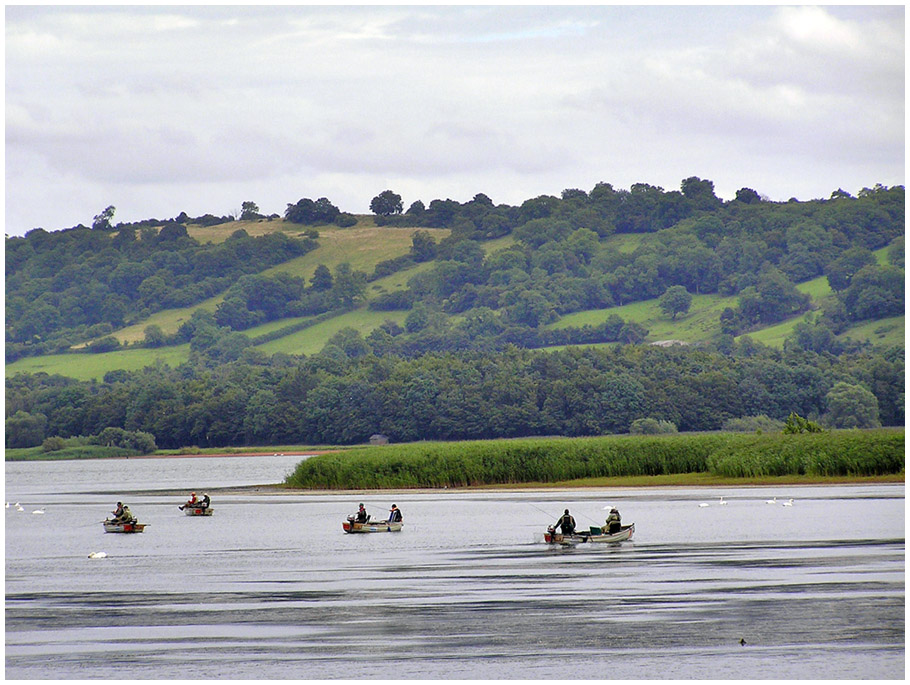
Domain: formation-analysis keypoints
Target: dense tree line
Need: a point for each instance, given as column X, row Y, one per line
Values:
column 77, row 284
column 347, row 393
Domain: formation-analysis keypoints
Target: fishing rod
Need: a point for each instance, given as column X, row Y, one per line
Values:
column 550, row 515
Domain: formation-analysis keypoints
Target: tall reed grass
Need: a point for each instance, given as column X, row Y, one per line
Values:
column 544, row 460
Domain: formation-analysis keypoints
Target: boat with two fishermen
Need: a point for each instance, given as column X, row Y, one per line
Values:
column 197, row 507
column 361, row 522
column 594, row 534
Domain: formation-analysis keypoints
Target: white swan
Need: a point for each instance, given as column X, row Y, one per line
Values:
column 771, row 501
column 788, row 503
column 97, row 555
column 704, row 504
column 18, row 507
column 722, row 502
column 38, row 511
column 7, row 505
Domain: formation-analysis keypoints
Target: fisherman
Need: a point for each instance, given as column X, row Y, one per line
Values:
column 614, row 521
column 118, row 512
column 394, row 514
column 362, row 516
column 191, row 502
column 206, row 501
column 566, row 523
column 126, row 516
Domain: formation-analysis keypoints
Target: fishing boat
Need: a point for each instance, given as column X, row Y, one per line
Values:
column 352, row 526
column 123, row 526
column 595, row 534
column 198, row 511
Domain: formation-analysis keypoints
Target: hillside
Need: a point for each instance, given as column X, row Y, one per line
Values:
column 500, row 307
column 367, row 246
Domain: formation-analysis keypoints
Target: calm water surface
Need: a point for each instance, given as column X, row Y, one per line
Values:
column 271, row 588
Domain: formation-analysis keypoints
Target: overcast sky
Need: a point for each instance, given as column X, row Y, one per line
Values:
column 158, row 110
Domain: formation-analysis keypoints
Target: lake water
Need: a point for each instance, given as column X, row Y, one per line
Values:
column 270, row 587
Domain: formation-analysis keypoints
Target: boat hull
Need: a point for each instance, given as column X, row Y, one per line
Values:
column 195, row 511
column 583, row 537
column 111, row 527
column 371, row 527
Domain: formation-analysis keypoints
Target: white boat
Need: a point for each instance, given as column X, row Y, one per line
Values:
column 198, row 511
column 595, row 534
column 352, row 526
column 123, row 526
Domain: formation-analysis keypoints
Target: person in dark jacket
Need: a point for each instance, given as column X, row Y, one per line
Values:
column 566, row 523
column 394, row 514
column 614, row 521
column 362, row 516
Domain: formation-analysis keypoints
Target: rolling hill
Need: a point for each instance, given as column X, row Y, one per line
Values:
column 366, row 245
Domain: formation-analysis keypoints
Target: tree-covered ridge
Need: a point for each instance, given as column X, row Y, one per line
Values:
column 752, row 249
column 334, row 398
column 74, row 285
column 451, row 364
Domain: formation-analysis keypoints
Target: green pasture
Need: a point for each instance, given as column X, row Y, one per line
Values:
column 880, row 333
column 311, row 340
column 93, row 366
column 774, row 336
column 362, row 248
column 701, row 323
column 168, row 320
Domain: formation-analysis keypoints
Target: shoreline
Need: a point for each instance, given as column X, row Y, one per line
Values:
column 629, row 483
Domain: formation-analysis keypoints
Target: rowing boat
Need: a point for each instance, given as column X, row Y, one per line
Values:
column 123, row 526
column 593, row 535
column 352, row 526
column 198, row 511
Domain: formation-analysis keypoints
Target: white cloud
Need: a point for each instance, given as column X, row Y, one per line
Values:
column 159, row 110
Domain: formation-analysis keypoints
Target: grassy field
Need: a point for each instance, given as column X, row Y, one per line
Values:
column 883, row 332
column 88, row 366
column 362, row 248
column 700, row 324
column 311, row 340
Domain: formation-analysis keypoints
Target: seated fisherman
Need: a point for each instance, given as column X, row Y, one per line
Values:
column 614, row 521
column 566, row 523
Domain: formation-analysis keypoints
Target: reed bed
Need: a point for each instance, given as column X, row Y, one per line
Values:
column 547, row 460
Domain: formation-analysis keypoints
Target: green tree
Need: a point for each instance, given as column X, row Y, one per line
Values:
column 675, row 300
column 797, row 424
column 650, row 426
column 322, row 278
column 423, row 247
column 841, row 270
column 386, row 203
column 349, row 285
column 154, row 336
column 102, row 221
column 24, row 429
column 249, row 211
column 851, row 406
